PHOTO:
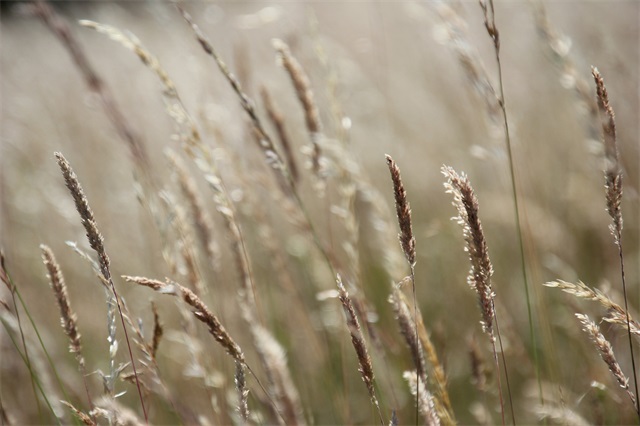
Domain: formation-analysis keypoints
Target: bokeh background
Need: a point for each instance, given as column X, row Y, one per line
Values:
column 392, row 71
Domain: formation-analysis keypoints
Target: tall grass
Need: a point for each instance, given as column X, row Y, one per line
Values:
column 233, row 155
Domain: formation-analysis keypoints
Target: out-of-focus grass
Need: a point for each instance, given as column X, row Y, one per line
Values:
column 404, row 94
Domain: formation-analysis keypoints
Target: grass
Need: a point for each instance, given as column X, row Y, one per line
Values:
column 246, row 159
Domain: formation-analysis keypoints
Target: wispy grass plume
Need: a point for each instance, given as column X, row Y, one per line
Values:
column 217, row 330
column 96, row 241
column 357, row 339
column 479, row 278
column 302, row 86
column 68, row 317
column 613, row 193
column 606, row 352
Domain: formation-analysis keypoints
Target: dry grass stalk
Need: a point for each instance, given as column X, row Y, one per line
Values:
column 457, row 38
column 408, row 244
column 277, row 119
column 408, row 331
column 266, row 144
column 422, row 350
column 38, row 369
column 606, row 352
column 620, row 317
column 243, row 392
column 193, row 145
column 425, row 399
column 183, row 245
column 481, row 270
column 201, row 219
column 613, row 170
column 115, row 372
column 479, row 278
column 96, row 242
column 189, row 135
column 444, row 409
column 357, row 339
column 84, row 418
column 68, row 317
column 117, row 413
column 615, row 313
column 403, row 210
column 217, row 330
column 110, row 379
column 201, row 312
column 302, row 86
column 560, row 48
column 285, row 394
column 613, row 195
column 490, row 22
column 119, row 121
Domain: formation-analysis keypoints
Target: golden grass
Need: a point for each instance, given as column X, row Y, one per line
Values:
column 208, row 189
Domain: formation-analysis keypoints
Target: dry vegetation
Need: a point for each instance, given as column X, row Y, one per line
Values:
column 278, row 170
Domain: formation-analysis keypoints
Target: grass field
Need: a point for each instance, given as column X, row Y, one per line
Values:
column 233, row 160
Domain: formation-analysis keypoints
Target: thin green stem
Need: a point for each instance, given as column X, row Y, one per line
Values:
column 626, row 308
column 33, row 376
column 415, row 323
column 44, row 349
column 493, row 32
column 26, row 358
column 504, row 365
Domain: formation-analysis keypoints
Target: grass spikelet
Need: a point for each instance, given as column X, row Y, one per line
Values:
column 408, row 331
column 277, row 119
column 97, row 243
column 619, row 316
column 616, row 314
column 606, row 352
column 408, row 244
column 357, row 339
column 425, row 399
column 613, row 195
column 194, row 146
column 68, row 317
column 117, row 413
column 274, row 360
column 217, row 330
column 403, row 210
column 302, row 86
column 243, row 392
column 271, row 153
column 95, row 83
column 84, row 418
column 201, row 219
column 613, row 170
column 96, row 240
column 479, row 278
column 201, row 312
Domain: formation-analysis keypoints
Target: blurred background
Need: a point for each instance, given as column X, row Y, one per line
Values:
column 407, row 79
